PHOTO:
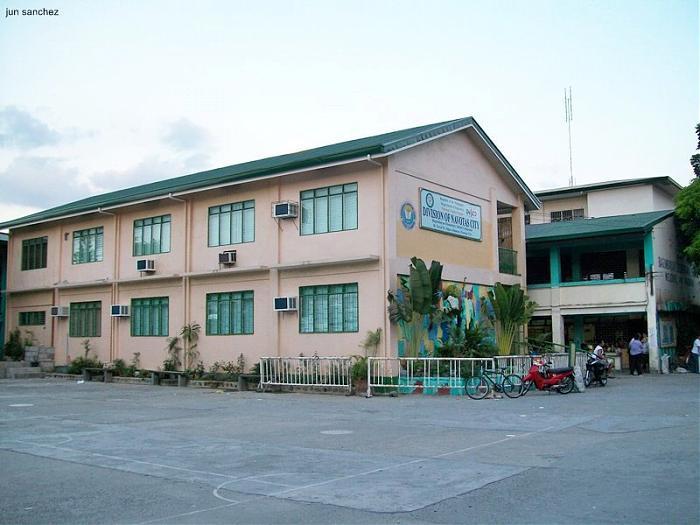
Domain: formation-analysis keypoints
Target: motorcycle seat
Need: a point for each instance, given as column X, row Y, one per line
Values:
column 561, row 370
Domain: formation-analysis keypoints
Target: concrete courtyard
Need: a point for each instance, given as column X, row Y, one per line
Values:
column 112, row 453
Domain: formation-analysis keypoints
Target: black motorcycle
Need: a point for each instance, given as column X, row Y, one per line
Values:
column 596, row 371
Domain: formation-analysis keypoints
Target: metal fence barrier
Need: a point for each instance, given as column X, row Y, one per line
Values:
column 426, row 375
column 520, row 364
column 335, row 372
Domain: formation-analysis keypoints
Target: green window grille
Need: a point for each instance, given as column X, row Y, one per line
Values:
column 88, row 245
column 149, row 317
column 330, row 209
column 331, row 308
column 230, row 313
column 85, row 319
column 152, row 235
column 232, row 223
column 32, row 318
column 34, row 253
column 508, row 261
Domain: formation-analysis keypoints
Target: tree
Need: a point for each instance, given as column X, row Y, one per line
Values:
column 416, row 305
column 510, row 310
column 688, row 212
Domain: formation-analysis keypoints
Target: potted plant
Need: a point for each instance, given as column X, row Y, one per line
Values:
column 359, row 375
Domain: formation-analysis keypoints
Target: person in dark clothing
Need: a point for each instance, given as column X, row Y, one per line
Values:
column 636, row 355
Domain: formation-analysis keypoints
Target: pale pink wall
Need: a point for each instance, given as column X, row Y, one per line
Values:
column 365, row 240
column 228, row 347
column 249, row 254
column 152, row 348
column 75, row 273
column 169, row 263
column 31, row 302
column 42, row 277
column 99, row 345
column 371, row 310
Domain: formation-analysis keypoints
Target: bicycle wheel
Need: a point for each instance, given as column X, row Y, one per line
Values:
column 512, row 385
column 525, row 387
column 566, row 385
column 477, row 387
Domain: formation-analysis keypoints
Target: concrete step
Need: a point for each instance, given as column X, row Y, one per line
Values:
column 27, row 372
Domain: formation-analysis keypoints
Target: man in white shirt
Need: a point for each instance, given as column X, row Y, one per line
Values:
column 695, row 355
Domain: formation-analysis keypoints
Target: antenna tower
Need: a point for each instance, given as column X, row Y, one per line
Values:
column 568, row 110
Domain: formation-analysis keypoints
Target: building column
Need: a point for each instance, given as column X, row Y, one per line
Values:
column 578, row 330
column 652, row 322
column 557, row 327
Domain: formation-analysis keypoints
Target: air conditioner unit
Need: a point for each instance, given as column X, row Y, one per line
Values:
column 285, row 304
column 285, row 210
column 120, row 310
column 60, row 311
column 145, row 265
column 227, row 258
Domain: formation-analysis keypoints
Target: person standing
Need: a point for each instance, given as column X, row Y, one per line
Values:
column 695, row 356
column 636, row 355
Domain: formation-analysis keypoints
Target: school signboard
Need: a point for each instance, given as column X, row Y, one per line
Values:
column 444, row 214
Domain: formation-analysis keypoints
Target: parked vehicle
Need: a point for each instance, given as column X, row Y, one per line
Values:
column 544, row 377
column 596, row 370
column 478, row 387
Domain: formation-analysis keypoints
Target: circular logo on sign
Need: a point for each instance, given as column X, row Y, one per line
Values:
column 408, row 215
column 429, row 200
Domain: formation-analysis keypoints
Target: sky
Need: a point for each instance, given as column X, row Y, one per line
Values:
column 108, row 95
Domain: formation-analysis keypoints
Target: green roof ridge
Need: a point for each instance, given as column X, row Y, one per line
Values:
column 595, row 227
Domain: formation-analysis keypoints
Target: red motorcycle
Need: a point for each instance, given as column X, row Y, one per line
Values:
column 545, row 377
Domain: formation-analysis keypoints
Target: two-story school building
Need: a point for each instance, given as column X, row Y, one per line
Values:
column 275, row 257
column 604, row 264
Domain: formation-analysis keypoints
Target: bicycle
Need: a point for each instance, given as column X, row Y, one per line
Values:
column 478, row 387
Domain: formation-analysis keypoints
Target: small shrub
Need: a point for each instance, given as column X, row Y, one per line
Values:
column 119, row 368
column 171, row 365
column 77, row 365
column 198, row 371
column 14, row 349
column 359, row 369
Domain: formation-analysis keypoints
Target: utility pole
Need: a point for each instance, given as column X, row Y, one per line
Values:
column 568, row 110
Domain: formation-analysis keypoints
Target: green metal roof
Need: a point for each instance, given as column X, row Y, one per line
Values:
column 671, row 185
column 598, row 227
column 375, row 146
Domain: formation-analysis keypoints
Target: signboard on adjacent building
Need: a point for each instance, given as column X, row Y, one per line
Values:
column 444, row 214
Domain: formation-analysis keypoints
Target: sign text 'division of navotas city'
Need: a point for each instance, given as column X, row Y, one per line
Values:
column 445, row 214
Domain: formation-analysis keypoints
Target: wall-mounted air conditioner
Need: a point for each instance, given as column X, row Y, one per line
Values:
column 285, row 304
column 285, row 210
column 60, row 311
column 227, row 258
column 120, row 310
column 146, row 265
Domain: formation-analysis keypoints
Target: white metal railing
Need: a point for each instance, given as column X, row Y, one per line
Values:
column 520, row 364
column 306, row 371
column 429, row 375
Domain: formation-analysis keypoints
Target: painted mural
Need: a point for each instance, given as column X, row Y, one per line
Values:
column 467, row 298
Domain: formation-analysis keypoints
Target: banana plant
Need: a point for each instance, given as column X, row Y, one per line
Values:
column 510, row 309
column 416, row 304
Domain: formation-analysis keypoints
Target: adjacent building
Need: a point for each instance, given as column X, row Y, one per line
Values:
column 276, row 257
column 3, row 281
column 603, row 264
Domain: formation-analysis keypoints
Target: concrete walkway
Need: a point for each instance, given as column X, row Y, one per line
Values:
column 107, row 453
